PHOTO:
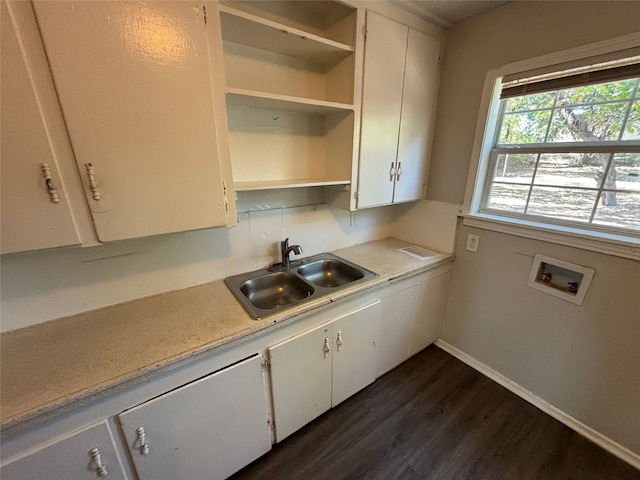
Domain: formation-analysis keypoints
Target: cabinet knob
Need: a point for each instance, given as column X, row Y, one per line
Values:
column 399, row 171
column 144, row 447
column 48, row 183
column 92, row 182
column 339, row 341
column 101, row 469
column 326, row 348
column 392, row 172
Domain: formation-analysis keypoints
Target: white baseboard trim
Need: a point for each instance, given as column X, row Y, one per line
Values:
column 618, row 450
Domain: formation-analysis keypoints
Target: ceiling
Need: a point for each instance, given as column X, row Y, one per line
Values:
column 446, row 13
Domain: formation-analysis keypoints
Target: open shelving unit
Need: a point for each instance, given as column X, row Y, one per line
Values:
column 279, row 38
column 292, row 92
column 251, row 98
column 273, row 185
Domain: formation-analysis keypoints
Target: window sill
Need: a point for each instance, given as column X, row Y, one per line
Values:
column 616, row 245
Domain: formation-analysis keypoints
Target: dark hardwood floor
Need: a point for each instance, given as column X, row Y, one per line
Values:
column 434, row 417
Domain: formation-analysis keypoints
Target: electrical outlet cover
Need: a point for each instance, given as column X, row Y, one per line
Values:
column 472, row 243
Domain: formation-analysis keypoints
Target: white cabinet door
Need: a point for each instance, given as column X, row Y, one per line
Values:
column 136, row 86
column 354, row 352
column 398, row 108
column 396, row 328
column 300, row 379
column 322, row 367
column 410, row 319
column 33, row 216
column 431, row 299
column 207, row 429
column 418, row 113
column 70, row 458
column 384, row 58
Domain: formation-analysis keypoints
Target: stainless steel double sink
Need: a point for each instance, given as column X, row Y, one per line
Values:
column 270, row 290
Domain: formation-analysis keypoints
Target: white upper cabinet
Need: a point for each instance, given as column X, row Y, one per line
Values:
column 36, row 210
column 141, row 94
column 385, row 49
column 419, row 97
column 398, row 108
column 292, row 94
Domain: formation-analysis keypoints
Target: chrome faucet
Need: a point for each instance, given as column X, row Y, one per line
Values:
column 285, row 250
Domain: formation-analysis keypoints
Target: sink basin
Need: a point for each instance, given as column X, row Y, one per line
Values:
column 275, row 290
column 270, row 290
column 330, row 273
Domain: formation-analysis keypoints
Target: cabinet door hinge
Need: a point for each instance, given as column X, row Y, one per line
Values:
column 224, row 196
column 364, row 31
column 265, row 365
column 204, row 11
column 356, row 195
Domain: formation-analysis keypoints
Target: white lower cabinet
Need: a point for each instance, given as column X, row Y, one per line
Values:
column 430, row 303
column 207, row 429
column 319, row 368
column 410, row 319
column 396, row 326
column 197, row 425
column 85, row 454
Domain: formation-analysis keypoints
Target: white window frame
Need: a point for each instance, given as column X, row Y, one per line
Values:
column 600, row 241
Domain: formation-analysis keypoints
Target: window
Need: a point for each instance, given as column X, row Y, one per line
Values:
column 564, row 149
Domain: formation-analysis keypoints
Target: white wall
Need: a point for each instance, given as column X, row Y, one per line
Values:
column 41, row 286
column 582, row 359
column 512, row 32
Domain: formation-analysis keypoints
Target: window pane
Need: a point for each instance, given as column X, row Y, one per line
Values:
column 625, row 213
column 526, row 127
column 562, row 203
column 562, row 180
column 632, row 130
column 571, row 169
column 605, row 92
column 624, row 173
column 515, row 167
column 511, row 198
column 530, row 102
column 587, row 123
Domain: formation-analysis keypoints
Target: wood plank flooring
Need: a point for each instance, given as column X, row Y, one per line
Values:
column 434, row 417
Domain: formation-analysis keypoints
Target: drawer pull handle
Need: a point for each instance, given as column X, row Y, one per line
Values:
column 48, row 183
column 144, row 447
column 101, row 469
column 95, row 193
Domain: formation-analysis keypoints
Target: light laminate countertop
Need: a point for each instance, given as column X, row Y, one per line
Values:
column 52, row 367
